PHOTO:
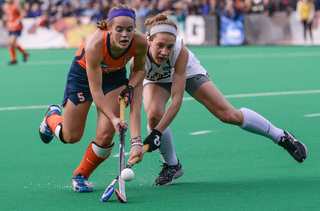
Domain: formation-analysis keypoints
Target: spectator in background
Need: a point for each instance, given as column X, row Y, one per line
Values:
column 164, row 5
column 59, row 13
column 248, row 5
column 78, row 10
column 270, row 6
column 105, row 10
column 305, row 13
column 285, row 5
column 317, row 4
column 205, row 7
column 92, row 11
column 220, row 7
column 257, row 6
column 1, row 13
column 67, row 10
column 180, row 14
column 35, row 11
column 243, row 6
column 143, row 9
column 191, row 7
column 96, row 12
column 213, row 5
column 229, row 10
column 88, row 11
column 153, row 8
column 52, row 13
column 26, row 7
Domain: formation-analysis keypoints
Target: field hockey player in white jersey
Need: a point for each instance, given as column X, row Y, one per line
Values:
column 171, row 69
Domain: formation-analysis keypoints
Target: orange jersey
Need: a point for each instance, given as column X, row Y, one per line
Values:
column 108, row 64
column 13, row 14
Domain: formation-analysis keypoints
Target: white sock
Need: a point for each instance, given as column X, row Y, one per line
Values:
column 166, row 149
column 101, row 152
column 57, row 131
column 255, row 123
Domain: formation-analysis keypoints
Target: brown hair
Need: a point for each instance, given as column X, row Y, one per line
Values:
column 104, row 23
column 157, row 20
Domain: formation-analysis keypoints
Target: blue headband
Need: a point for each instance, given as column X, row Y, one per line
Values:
column 122, row 12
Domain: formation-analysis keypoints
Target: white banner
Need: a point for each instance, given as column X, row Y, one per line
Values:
column 36, row 37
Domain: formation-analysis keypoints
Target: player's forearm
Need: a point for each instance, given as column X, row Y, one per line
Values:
column 169, row 115
column 177, row 90
column 135, row 120
column 135, row 124
column 135, row 112
column 136, row 77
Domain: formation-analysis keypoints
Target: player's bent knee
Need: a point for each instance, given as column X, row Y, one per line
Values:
column 72, row 139
column 104, row 140
column 154, row 120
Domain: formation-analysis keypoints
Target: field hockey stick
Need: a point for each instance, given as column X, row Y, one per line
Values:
column 110, row 189
column 121, row 195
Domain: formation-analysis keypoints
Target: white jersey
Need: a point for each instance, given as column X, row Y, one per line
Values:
column 164, row 73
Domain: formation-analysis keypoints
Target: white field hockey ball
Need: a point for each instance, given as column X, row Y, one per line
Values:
column 127, row 174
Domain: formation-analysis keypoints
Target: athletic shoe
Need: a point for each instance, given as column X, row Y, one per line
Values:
column 45, row 132
column 12, row 63
column 25, row 57
column 169, row 173
column 81, row 184
column 294, row 147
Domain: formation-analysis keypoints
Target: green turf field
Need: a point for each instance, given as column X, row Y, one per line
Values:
column 225, row 167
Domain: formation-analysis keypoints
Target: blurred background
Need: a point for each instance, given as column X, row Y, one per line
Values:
column 66, row 23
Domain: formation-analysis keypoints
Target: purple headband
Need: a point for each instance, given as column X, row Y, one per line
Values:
column 122, row 12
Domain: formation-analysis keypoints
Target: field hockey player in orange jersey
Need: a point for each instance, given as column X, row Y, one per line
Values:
column 98, row 73
column 14, row 14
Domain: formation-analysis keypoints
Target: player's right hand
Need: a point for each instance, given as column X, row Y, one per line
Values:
column 117, row 123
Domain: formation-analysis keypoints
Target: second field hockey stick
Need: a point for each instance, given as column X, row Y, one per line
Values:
column 110, row 189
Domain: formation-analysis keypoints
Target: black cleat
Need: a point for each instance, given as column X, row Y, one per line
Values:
column 169, row 173
column 294, row 147
column 25, row 57
column 12, row 63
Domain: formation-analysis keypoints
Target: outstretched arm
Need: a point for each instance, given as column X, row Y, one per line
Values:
column 177, row 90
column 137, row 74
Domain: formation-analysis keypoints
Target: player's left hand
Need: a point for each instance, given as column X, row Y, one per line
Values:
column 127, row 94
column 153, row 139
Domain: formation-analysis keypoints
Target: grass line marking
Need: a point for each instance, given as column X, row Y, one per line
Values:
column 265, row 94
column 188, row 98
column 261, row 55
column 312, row 115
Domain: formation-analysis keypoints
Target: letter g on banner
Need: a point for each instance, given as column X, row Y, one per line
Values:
column 195, row 30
